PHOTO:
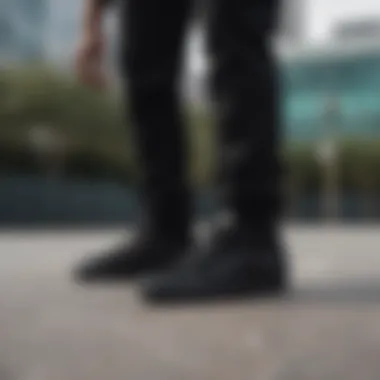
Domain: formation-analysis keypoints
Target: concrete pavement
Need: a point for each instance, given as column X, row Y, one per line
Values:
column 328, row 327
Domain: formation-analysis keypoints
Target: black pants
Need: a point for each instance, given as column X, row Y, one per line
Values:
column 243, row 84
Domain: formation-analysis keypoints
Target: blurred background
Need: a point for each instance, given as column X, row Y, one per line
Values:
column 67, row 156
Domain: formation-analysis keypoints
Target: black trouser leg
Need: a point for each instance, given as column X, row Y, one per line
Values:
column 245, row 88
column 154, row 37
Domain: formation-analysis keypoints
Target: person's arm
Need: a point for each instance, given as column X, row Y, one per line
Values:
column 90, row 56
column 93, row 16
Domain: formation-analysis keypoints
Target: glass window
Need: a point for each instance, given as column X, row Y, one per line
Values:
column 353, row 84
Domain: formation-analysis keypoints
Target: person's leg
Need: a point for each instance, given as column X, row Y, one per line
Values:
column 151, row 50
column 244, row 257
column 246, row 96
column 153, row 46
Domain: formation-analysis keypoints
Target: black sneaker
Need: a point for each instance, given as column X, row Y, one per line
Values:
column 141, row 256
column 235, row 265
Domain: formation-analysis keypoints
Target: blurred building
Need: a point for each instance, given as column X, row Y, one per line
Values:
column 333, row 85
column 43, row 30
column 368, row 28
column 23, row 29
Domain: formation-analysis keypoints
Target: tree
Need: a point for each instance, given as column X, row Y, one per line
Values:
column 90, row 121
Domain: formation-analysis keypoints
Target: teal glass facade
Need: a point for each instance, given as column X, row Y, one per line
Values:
column 340, row 92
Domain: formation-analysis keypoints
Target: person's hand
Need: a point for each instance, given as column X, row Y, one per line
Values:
column 90, row 60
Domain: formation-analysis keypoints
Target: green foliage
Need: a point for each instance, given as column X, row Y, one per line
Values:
column 358, row 166
column 361, row 165
column 302, row 168
column 101, row 143
column 90, row 122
